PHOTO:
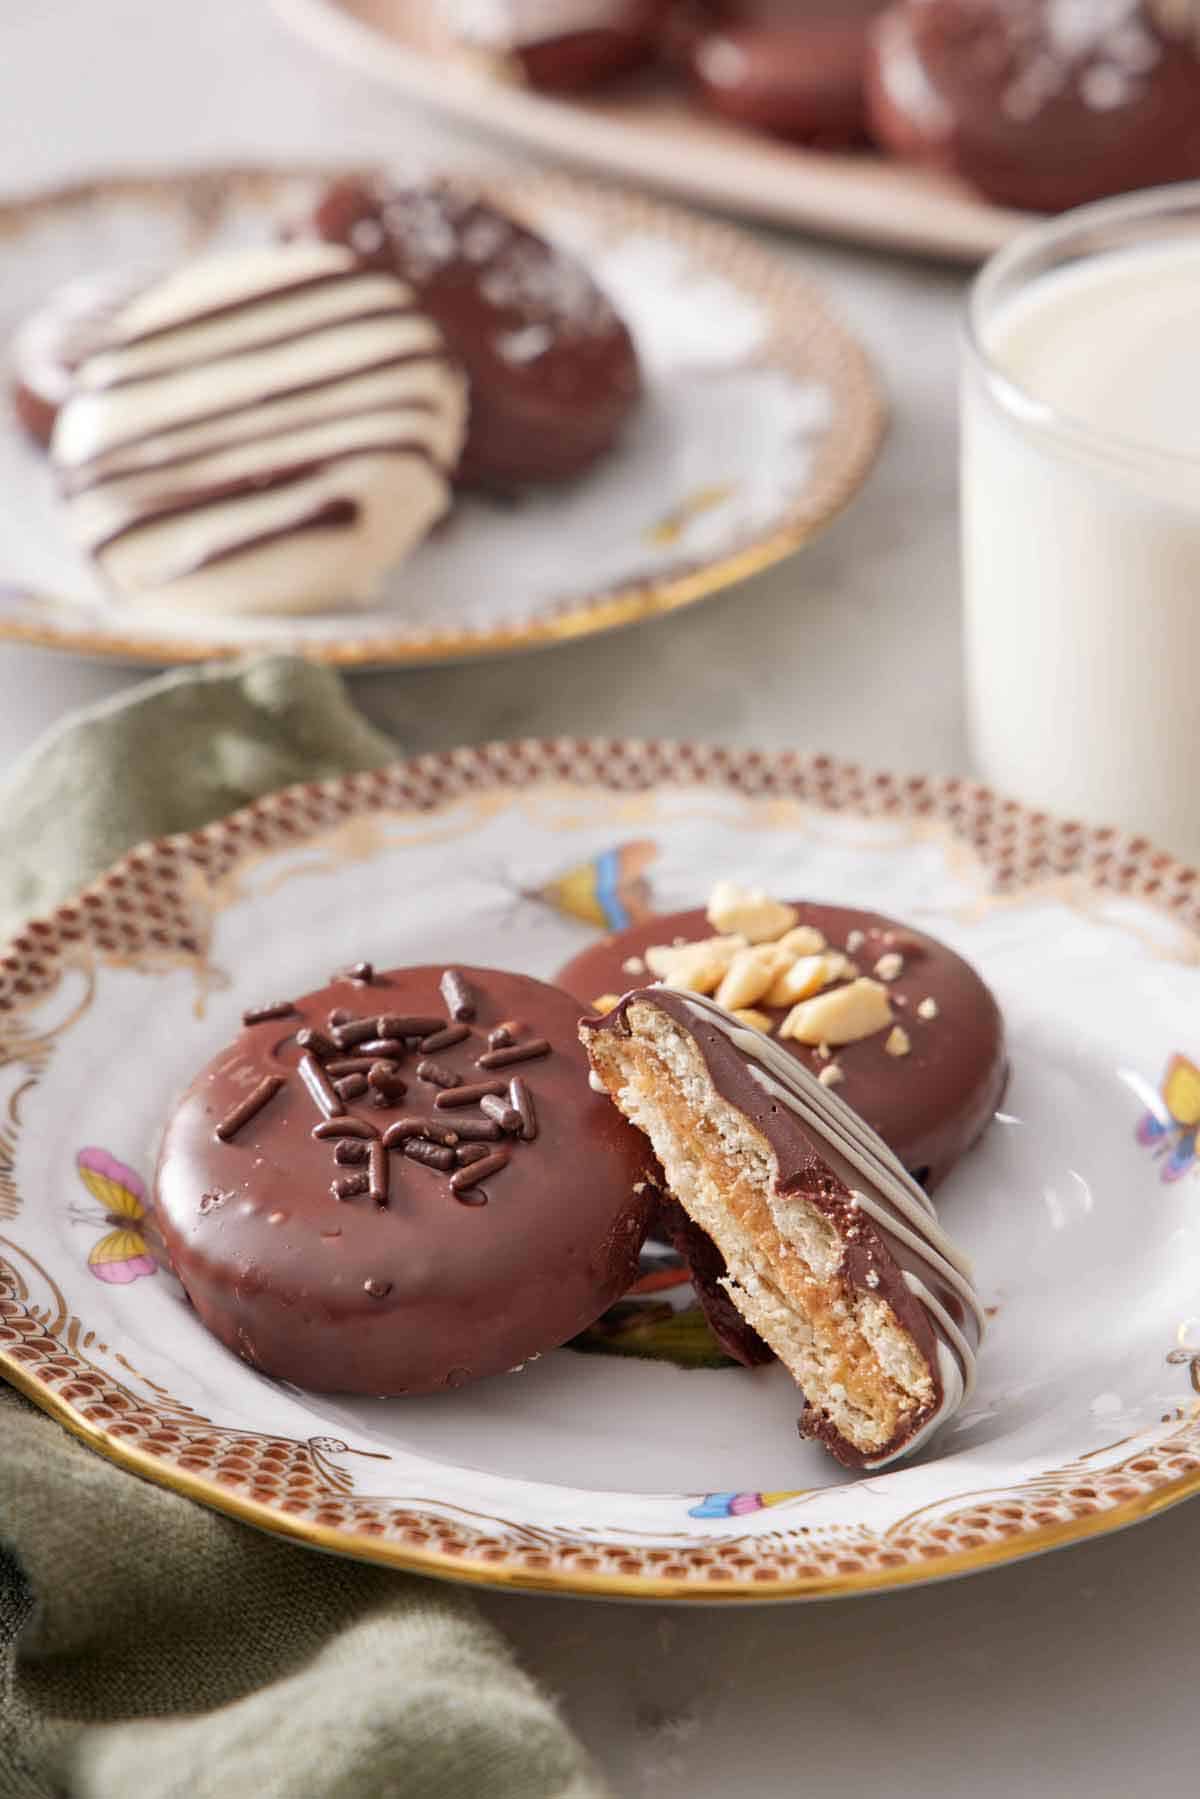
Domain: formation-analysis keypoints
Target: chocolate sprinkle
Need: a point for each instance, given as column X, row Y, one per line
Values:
column 401, row 1024
column 349, row 1186
column 282, row 1008
column 473, row 1196
column 377, row 1289
column 361, row 973
column 466, row 1153
column 445, row 1039
column 386, row 1049
column 437, row 1074
column 350, row 1152
column 354, row 1032
column 349, row 1065
column 519, row 1052
column 342, row 1125
column 387, row 1086
column 460, row 1001
column 398, row 1134
column 431, row 1154
column 506, row 1116
column 521, row 1100
column 321, row 1046
column 317, row 1082
column 478, row 1171
column 501, row 1037
column 338, row 1016
column 351, row 1086
column 245, row 1109
column 477, row 1130
column 467, row 1096
column 379, row 1173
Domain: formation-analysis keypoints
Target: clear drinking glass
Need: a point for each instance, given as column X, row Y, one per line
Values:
column 1081, row 516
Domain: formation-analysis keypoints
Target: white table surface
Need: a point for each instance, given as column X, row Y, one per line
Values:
column 1069, row 1675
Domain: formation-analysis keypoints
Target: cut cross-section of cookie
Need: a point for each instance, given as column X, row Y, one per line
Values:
column 834, row 1254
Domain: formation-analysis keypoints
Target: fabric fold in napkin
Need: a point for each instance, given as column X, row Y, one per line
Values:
column 148, row 1645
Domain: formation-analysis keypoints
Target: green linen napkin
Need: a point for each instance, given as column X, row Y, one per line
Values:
column 149, row 1646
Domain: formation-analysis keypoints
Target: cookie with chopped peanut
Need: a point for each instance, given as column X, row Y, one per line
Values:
column 901, row 1026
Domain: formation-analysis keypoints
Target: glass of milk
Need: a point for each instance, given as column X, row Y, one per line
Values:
column 1081, row 516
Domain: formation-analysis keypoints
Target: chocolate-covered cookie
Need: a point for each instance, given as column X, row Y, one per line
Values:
column 50, row 344
column 799, row 78
column 829, row 1250
column 552, row 369
column 1038, row 103
column 902, row 1027
column 402, row 1182
column 263, row 430
column 563, row 46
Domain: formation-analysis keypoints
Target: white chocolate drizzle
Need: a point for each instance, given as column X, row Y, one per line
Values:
column 893, row 1199
column 266, row 429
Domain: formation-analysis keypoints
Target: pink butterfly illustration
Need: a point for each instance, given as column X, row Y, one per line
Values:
column 122, row 1254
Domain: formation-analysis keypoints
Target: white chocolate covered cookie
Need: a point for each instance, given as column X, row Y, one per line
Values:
column 264, row 431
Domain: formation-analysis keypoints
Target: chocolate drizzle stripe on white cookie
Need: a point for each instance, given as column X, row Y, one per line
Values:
column 253, row 398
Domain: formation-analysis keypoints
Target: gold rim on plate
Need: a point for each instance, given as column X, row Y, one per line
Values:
column 803, row 339
column 145, row 906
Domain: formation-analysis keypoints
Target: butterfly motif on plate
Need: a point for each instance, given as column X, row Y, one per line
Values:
column 122, row 1254
column 657, row 1320
column 1172, row 1126
column 609, row 890
column 740, row 1505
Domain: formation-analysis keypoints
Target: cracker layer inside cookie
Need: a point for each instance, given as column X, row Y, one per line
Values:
column 784, row 1240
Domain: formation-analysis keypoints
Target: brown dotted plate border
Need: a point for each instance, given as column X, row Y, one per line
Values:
column 802, row 338
column 144, row 908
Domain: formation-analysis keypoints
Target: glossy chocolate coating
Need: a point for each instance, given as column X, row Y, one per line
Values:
column 801, row 80
column 434, row 1289
column 565, row 50
column 1035, row 118
column 52, row 342
column 928, row 1106
column 552, row 369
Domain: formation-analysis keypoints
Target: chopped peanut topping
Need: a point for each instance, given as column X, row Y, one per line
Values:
column 749, row 911
column 746, row 979
column 805, row 977
column 695, row 967
column 845, row 1015
column 804, row 940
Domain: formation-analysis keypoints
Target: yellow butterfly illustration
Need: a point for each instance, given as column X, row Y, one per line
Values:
column 122, row 1254
column 609, row 890
column 1172, row 1127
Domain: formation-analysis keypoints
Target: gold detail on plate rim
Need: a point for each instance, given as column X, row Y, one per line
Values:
column 1018, row 849
column 804, row 338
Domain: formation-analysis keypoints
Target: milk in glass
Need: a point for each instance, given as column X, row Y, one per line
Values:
column 1081, row 536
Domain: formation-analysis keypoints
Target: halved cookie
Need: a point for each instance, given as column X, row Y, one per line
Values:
column 834, row 1254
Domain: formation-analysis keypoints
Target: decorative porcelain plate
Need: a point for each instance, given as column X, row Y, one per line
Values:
column 761, row 419
column 645, row 132
column 634, row 1461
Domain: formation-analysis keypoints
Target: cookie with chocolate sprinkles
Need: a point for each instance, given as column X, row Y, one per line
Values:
column 477, row 1223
